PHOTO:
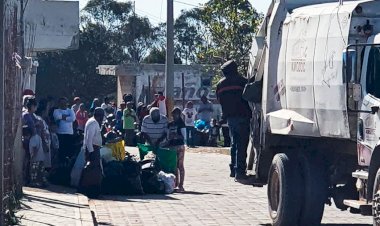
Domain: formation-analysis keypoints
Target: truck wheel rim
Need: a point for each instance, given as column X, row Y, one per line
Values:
column 274, row 193
column 376, row 206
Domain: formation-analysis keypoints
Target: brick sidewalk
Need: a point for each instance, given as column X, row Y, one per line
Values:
column 212, row 198
column 54, row 206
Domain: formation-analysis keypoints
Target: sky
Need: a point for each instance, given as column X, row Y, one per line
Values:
column 155, row 10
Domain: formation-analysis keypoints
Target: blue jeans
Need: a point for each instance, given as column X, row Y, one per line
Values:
column 190, row 135
column 239, row 132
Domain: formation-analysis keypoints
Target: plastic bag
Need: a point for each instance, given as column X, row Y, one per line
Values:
column 106, row 154
column 76, row 171
column 118, row 150
column 169, row 181
column 167, row 158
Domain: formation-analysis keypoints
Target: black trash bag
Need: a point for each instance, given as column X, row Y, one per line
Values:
column 113, row 178
column 132, row 185
column 131, row 179
column 122, row 178
column 61, row 175
column 149, row 177
column 91, row 179
column 131, row 167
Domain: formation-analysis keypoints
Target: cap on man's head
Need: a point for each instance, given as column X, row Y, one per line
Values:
column 76, row 98
column 229, row 68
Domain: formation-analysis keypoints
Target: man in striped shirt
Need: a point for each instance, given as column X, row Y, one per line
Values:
column 154, row 127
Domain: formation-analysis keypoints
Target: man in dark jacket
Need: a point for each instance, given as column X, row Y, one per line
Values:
column 237, row 112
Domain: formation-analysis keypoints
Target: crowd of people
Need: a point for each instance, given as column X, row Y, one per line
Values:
column 54, row 133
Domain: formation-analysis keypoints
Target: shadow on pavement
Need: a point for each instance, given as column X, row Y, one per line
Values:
column 330, row 224
column 55, row 189
column 147, row 197
column 196, row 193
column 131, row 198
column 32, row 198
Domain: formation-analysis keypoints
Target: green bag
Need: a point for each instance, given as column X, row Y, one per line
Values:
column 167, row 157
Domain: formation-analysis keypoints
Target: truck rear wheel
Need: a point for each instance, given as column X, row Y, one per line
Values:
column 315, row 190
column 284, row 192
column 376, row 200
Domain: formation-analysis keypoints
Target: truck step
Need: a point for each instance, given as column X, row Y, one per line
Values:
column 360, row 174
column 363, row 206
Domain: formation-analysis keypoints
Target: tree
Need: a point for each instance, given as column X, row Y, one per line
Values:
column 138, row 37
column 190, row 35
column 231, row 24
column 109, row 13
column 73, row 73
column 158, row 56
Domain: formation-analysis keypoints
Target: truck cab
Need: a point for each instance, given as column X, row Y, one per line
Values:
column 364, row 96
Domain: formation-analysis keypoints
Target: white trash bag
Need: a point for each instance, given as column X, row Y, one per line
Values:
column 169, row 181
column 76, row 171
column 106, row 154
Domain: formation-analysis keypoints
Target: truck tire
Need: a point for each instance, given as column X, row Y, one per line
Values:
column 284, row 191
column 376, row 200
column 315, row 189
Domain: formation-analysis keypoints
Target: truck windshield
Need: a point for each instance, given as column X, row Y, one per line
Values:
column 373, row 72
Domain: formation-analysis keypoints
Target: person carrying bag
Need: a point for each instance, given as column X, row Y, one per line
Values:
column 92, row 175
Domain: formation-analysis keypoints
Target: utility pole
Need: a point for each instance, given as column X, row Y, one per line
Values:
column 2, row 71
column 169, row 70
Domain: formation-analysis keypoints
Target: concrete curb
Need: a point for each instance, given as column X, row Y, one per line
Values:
column 85, row 215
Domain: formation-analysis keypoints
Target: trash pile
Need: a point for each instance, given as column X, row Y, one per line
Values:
column 124, row 174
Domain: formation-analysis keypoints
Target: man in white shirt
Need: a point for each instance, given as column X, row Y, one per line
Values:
column 64, row 118
column 92, row 135
column 91, row 179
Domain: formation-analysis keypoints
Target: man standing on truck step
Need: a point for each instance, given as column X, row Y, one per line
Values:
column 237, row 113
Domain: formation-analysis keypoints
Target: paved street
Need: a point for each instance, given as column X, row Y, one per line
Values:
column 212, row 198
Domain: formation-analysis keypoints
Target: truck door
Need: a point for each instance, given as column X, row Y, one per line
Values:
column 369, row 124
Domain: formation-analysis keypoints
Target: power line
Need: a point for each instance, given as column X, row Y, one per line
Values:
column 151, row 15
column 188, row 4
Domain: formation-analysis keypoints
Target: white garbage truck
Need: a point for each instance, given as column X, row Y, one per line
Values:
column 317, row 127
